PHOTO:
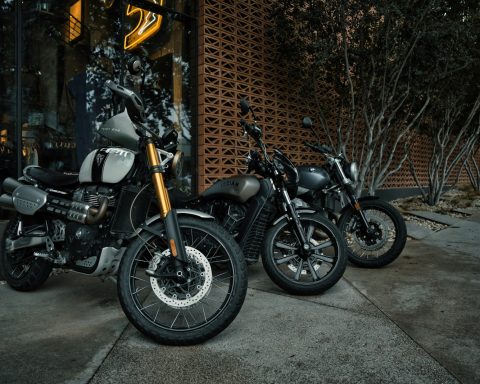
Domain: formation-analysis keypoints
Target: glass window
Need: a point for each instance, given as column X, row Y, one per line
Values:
column 70, row 48
column 166, row 86
column 8, row 93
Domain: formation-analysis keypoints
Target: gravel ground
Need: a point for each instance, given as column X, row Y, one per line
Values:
column 454, row 199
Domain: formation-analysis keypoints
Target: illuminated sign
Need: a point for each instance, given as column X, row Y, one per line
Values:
column 75, row 21
column 149, row 23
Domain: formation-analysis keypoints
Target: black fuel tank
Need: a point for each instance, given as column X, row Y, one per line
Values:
column 239, row 188
column 313, row 177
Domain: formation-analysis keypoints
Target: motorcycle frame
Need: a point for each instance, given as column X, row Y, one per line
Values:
column 344, row 185
column 289, row 209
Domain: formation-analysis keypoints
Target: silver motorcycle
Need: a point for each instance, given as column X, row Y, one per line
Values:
column 181, row 278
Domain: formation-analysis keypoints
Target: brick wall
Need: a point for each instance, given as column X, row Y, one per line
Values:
column 236, row 60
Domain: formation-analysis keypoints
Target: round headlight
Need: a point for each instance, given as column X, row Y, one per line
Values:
column 353, row 171
column 177, row 164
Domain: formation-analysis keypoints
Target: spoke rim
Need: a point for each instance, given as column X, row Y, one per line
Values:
column 199, row 314
column 317, row 266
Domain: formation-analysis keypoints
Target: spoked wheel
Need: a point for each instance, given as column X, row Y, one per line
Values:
column 385, row 239
column 192, row 309
column 21, row 269
column 300, row 271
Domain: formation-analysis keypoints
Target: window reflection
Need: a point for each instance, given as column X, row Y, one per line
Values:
column 70, row 49
column 7, row 91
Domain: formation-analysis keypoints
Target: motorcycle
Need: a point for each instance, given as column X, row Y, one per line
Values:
column 303, row 253
column 374, row 230
column 181, row 278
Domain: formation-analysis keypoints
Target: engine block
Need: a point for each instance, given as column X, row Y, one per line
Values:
column 92, row 195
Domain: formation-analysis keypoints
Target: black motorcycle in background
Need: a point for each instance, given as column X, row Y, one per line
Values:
column 302, row 252
column 374, row 230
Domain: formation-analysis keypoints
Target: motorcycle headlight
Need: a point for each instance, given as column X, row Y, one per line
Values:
column 177, row 164
column 351, row 171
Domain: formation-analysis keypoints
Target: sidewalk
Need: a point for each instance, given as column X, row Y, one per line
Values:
column 415, row 321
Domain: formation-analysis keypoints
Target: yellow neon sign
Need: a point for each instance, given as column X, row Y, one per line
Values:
column 149, row 23
column 75, row 21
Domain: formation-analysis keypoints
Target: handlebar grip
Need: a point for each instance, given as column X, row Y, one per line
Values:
column 119, row 89
column 309, row 145
column 319, row 148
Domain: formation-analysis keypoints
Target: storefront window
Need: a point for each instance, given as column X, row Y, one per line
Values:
column 7, row 91
column 70, row 48
column 166, row 46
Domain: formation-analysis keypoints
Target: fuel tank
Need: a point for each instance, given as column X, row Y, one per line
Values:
column 239, row 188
column 106, row 165
column 312, row 177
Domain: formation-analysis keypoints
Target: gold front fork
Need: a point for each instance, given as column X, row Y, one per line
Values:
column 157, row 179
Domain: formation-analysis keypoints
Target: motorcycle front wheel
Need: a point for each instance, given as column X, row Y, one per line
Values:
column 386, row 239
column 299, row 272
column 188, row 311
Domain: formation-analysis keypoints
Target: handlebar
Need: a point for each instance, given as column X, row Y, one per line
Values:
column 251, row 129
column 133, row 103
column 124, row 92
column 325, row 149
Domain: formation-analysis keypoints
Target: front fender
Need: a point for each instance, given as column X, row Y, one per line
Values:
column 300, row 212
column 180, row 212
column 363, row 198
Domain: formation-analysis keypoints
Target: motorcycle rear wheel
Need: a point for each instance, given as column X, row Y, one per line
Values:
column 305, row 276
column 21, row 269
column 387, row 242
column 176, row 313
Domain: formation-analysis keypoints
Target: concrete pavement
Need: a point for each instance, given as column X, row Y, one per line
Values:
column 415, row 321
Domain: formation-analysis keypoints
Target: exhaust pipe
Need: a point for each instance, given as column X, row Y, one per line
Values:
column 6, row 202
column 28, row 200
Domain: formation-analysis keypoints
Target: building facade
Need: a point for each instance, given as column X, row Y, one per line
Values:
column 56, row 57
column 201, row 57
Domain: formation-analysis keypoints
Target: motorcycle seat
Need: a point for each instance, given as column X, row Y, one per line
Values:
column 50, row 177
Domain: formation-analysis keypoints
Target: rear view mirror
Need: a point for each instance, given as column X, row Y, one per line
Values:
column 170, row 136
column 307, row 122
column 135, row 65
column 244, row 106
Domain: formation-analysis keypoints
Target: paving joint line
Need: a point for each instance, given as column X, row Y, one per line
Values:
column 403, row 331
column 109, row 352
column 300, row 298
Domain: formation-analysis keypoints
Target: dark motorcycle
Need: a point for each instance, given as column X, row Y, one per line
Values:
column 303, row 252
column 374, row 230
column 181, row 278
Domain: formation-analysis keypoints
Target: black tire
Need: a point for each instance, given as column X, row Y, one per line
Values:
column 21, row 269
column 281, row 261
column 389, row 228
column 148, row 312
